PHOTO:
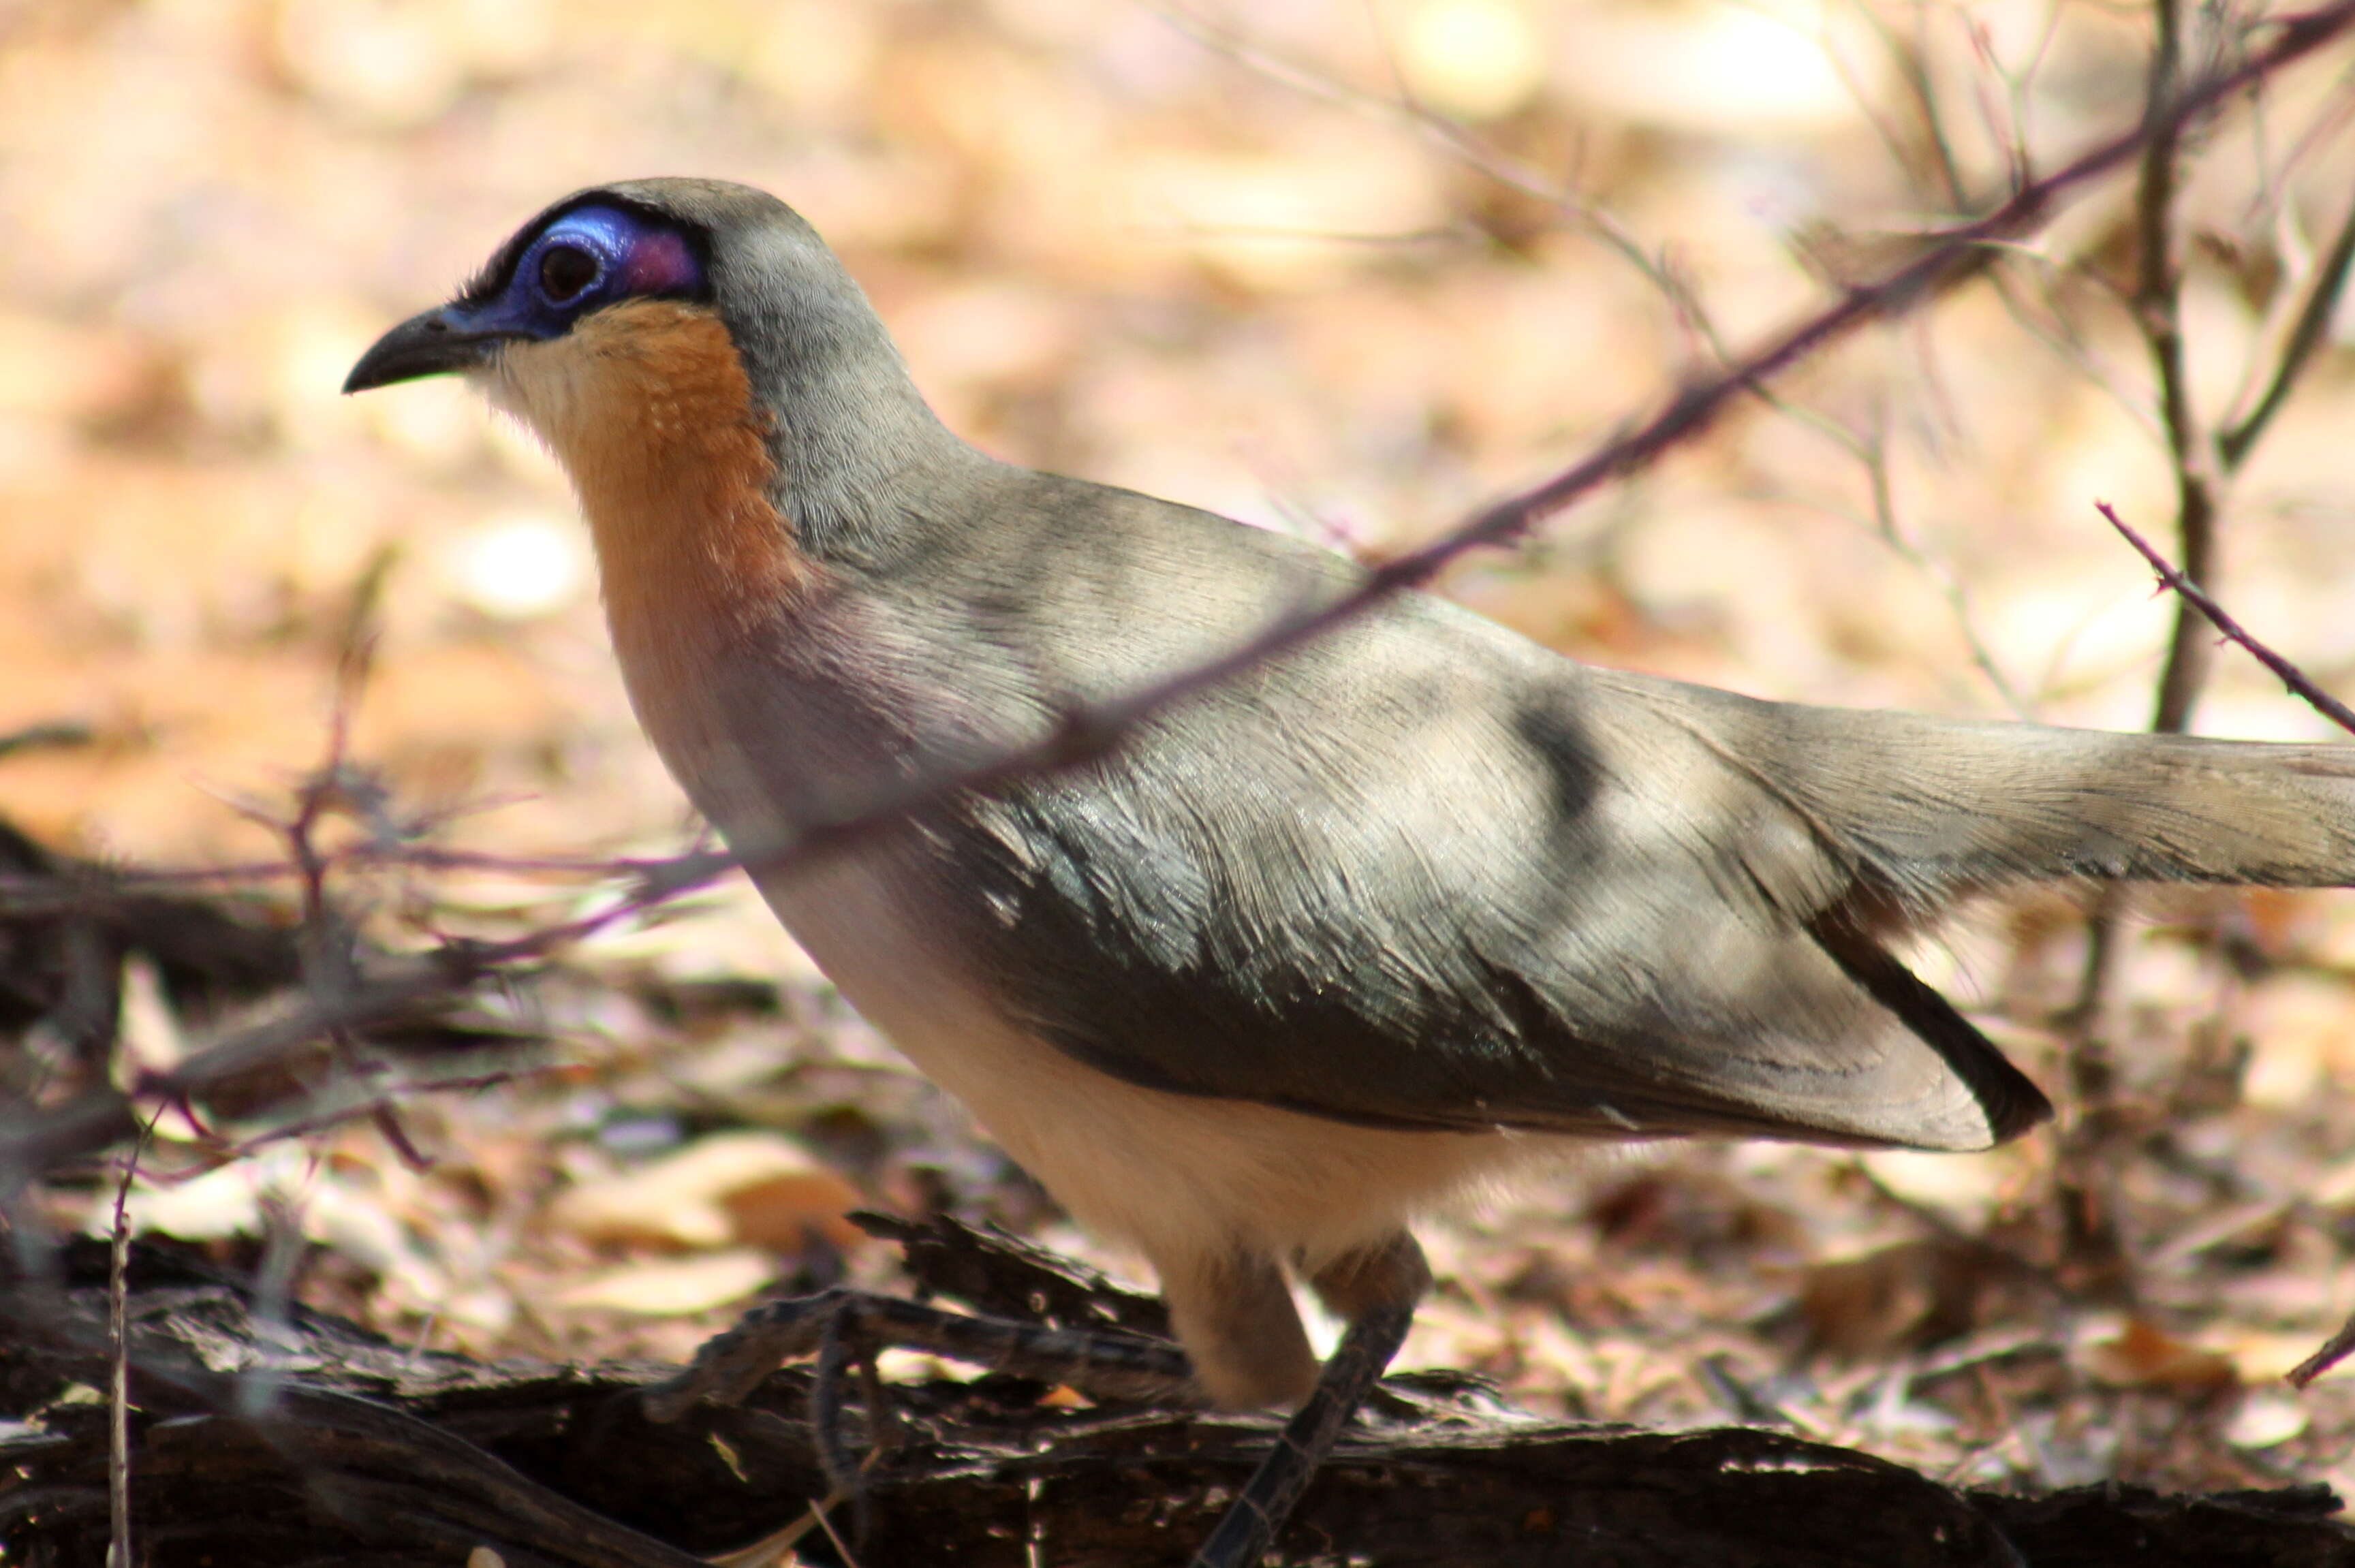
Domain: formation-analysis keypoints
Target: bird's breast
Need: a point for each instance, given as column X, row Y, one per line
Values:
column 648, row 408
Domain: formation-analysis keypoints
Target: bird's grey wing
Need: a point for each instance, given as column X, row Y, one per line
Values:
column 1424, row 874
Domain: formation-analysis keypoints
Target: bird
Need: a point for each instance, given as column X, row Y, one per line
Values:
column 1406, row 910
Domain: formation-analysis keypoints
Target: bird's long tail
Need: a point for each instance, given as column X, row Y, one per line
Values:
column 1933, row 805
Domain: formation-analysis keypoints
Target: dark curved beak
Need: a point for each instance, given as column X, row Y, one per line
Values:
column 433, row 343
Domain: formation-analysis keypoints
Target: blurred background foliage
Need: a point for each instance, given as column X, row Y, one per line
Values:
column 1340, row 267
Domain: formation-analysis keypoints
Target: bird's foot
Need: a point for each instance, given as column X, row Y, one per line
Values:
column 1375, row 1288
column 1249, row 1525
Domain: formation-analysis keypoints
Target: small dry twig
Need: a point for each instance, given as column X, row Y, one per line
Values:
column 118, row 1354
column 2300, row 684
column 2308, row 332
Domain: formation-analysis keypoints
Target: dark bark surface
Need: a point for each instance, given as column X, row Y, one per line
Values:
column 304, row 1440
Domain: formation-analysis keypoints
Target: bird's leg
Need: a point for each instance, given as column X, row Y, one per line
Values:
column 841, row 1346
column 833, row 1461
column 883, row 1425
column 1234, row 1314
column 1107, row 1364
column 1376, row 1288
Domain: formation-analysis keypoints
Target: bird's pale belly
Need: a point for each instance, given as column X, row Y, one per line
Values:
column 1178, row 1177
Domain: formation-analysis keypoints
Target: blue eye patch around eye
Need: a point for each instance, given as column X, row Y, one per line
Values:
column 636, row 258
column 589, row 256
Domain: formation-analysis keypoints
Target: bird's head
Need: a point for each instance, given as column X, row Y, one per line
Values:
column 662, row 332
column 589, row 255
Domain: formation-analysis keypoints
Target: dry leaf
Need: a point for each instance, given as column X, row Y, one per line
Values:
column 731, row 1188
column 673, row 1287
column 2144, row 1355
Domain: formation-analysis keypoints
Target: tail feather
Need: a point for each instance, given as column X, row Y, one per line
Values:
column 1937, row 806
column 1992, row 803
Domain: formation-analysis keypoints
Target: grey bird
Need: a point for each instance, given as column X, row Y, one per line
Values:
column 1404, row 909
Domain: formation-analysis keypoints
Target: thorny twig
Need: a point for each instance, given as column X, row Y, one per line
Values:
column 2300, row 684
column 1087, row 734
column 2339, row 1345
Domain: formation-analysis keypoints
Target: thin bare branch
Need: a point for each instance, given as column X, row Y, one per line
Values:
column 1452, row 138
column 57, row 734
column 2156, row 305
column 330, row 945
column 2334, row 1350
column 2197, row 598
column 1950, row 587
column 118, row 1351
column 1909, row 58
column 2157, row 310
column 2307, row 332
column 212, row 1156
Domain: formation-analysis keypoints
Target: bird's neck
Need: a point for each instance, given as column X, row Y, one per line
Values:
column 648, row 408
column 722, row 577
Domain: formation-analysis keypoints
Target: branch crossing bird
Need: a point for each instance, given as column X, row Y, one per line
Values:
column 1411, row 908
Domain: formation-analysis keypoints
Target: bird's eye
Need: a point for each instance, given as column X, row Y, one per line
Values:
column 565, row 272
